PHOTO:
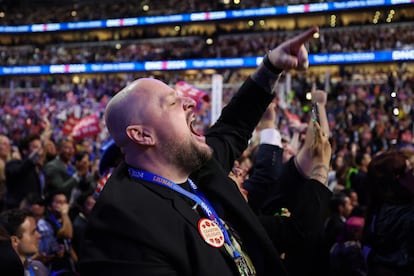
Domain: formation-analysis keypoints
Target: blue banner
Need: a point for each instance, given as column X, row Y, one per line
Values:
column 199, row 64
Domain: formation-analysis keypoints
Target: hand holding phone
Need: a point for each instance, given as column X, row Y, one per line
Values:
column 315, row 112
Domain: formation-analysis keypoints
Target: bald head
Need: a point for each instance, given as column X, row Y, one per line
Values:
column 151, row 124
column 130, row 106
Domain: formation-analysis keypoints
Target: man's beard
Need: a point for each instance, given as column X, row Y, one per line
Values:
column 189, row 157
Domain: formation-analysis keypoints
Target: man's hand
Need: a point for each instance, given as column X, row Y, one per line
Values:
column 320, row 97
column 321, row 155
column 269, row 118
column 292, row 54
column 321, row 148
column 64, row 210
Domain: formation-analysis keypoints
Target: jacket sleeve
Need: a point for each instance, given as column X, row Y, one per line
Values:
column 264, row 177
column 55, row 180
column 230, row 135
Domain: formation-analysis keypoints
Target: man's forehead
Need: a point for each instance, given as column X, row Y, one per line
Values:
column 149, row 86
column 171, row 93
column 161, row 91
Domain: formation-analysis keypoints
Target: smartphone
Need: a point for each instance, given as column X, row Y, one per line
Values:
column 315, row 112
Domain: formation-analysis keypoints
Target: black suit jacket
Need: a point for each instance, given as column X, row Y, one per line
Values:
column 263, row 182
column 301, row 236
column 10, row 263
column 139, row 228
column 22, row 179
column 274, row 185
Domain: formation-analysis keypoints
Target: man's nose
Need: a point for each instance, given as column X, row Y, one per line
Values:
column 188, row 102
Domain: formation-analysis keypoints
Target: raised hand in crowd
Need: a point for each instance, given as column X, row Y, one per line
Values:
column 304, row 159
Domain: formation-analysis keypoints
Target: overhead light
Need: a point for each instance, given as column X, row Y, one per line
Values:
column 333, row 20
column 395, row 111
column 76, row 79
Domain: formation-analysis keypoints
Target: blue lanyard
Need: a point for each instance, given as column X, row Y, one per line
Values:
column 31, row 271
column 28, row 266
column 197, row 197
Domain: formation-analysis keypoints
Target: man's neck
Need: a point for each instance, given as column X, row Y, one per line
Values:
column 23, row 259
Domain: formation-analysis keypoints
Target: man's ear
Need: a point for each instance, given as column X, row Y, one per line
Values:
column 140, row 134
column 14, row 240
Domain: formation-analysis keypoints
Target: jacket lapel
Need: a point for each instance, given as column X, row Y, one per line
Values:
column 177, row 202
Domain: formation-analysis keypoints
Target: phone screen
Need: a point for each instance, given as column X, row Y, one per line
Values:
column 315, row 112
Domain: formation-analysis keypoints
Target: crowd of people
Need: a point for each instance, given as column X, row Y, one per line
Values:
column 49, row 185
column 292, row 186
column 229, row 44
column 17, row 13
column 226, row 43
column 362, row 106
column 49, row 177
column 229, row 40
